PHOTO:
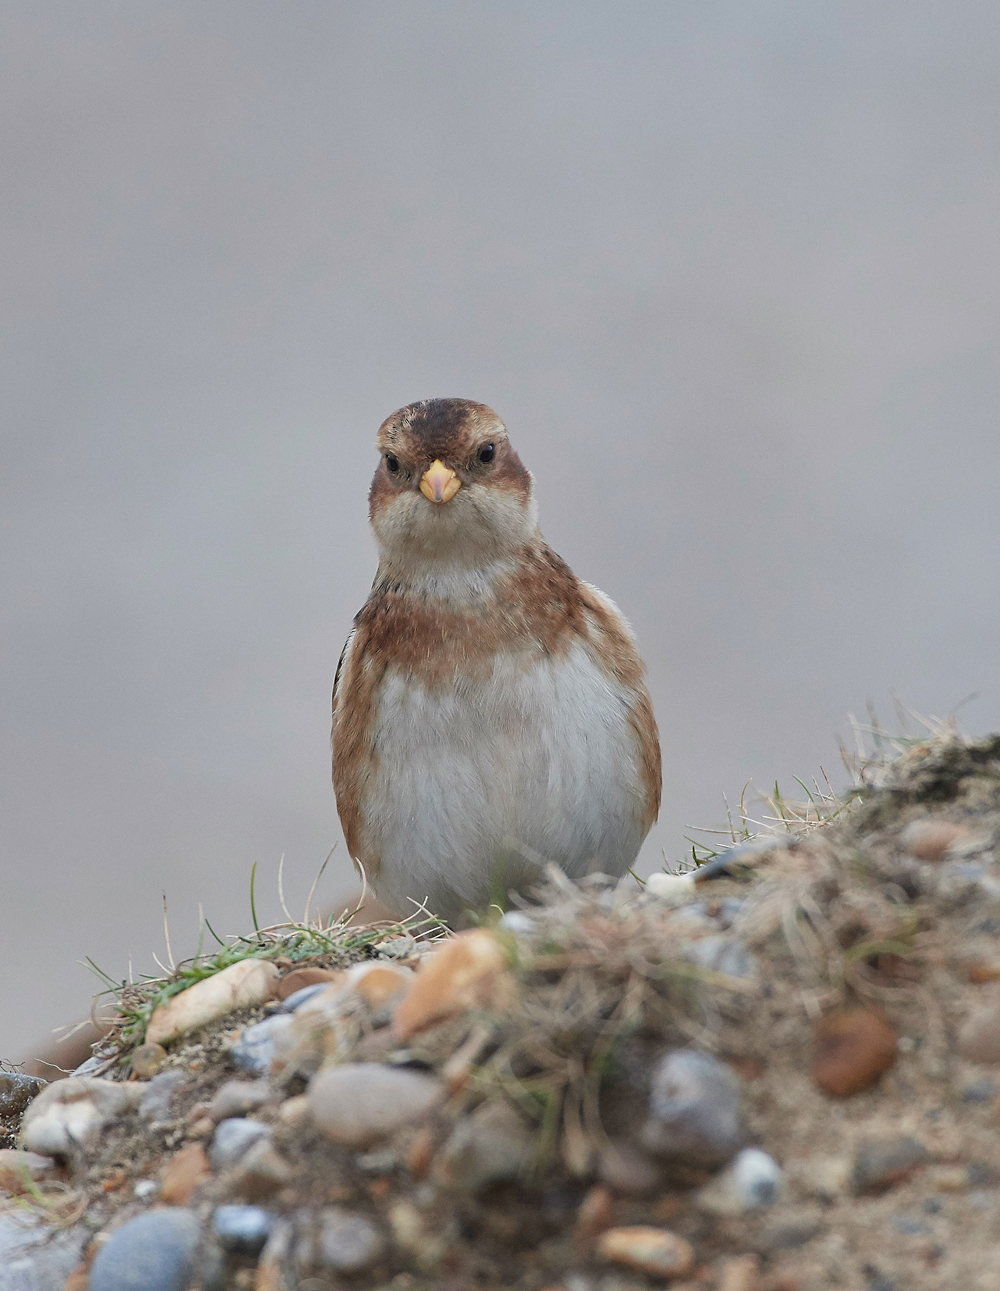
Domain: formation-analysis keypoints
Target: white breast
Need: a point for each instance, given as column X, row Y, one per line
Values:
column 537, row 765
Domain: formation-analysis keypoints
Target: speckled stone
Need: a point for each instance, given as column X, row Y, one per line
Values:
column 16, row 1092
column 33, row 1257
column 695, row 1109
column 69, row 1113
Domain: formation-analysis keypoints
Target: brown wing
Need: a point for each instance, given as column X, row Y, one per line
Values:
column 614, row 647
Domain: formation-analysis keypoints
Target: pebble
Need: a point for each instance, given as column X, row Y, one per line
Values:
column 291, row 1002
column 650, row 1250
column 979, row 1091
column 16, row 1092
column 34, row 1256
column 244, row 1230
column 237, row 1098
column 881, row 1163
column 68, row 1113
column 301, row 978
column 260, row 1172
column 738, row 862
column 154, row 1252
column 250, row 982
column 695, row 1109
column 182, row 1174
column 254, row 1051
column 739, row 1273
column 979, row 1035
column 853, row 1047
column 360, row 1104
column 232, row 1138
column 491, row 1145
column 751, row 1181
column 517, row 922
column 147, row 1060
column 469, row 970
column 157, row 1095
column 928, row 840
column 338, row 1240
column 674, row 889
column 19, row 1168
column 721, row 954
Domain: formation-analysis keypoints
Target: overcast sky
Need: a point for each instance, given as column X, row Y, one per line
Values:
column 729, row 272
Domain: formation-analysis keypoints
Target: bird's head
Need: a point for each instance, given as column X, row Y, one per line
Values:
column 450, row 493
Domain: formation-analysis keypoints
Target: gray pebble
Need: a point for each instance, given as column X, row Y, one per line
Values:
column 254, row 1050
column 154, row 1252
column 155, row 1105
column 695, row 1109
column 933, row 1206
column 880, row 1163
column 491, row 1145
column 980, row 1091
column 17, row 1091
column 342, row 1241
column 300, row 996
column 232, row 1138
column 33, row 1258
column 242, row 1229
column 361, row 1104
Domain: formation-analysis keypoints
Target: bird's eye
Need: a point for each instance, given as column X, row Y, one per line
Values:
column 487, row 453
column 392, row 463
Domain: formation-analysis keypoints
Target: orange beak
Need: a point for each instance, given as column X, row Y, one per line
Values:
column 439, row 483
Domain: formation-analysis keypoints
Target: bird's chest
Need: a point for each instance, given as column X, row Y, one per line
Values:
column 538, row 746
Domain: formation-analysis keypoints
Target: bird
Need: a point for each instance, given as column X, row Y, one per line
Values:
column 490, row 711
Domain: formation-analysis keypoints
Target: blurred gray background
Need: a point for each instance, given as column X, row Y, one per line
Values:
column 730, row 273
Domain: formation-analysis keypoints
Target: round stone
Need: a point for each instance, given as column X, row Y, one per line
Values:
column 852, row 1049
column 359, row 1104
column 695, row 1109
column 156, row 1250
column 242, row 1229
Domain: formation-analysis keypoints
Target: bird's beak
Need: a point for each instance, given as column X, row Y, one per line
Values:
column 439, row 483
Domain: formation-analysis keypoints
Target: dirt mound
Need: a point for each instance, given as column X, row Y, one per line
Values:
column 774, row 1072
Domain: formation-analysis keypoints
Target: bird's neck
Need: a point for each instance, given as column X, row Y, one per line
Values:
column 451, row 582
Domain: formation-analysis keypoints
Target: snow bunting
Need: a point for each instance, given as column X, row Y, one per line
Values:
column 489, row 710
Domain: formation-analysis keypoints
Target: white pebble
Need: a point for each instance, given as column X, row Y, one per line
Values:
column 671, row 887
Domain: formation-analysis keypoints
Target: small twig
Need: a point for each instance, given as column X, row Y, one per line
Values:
column 166, row 933
column 305, row 917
